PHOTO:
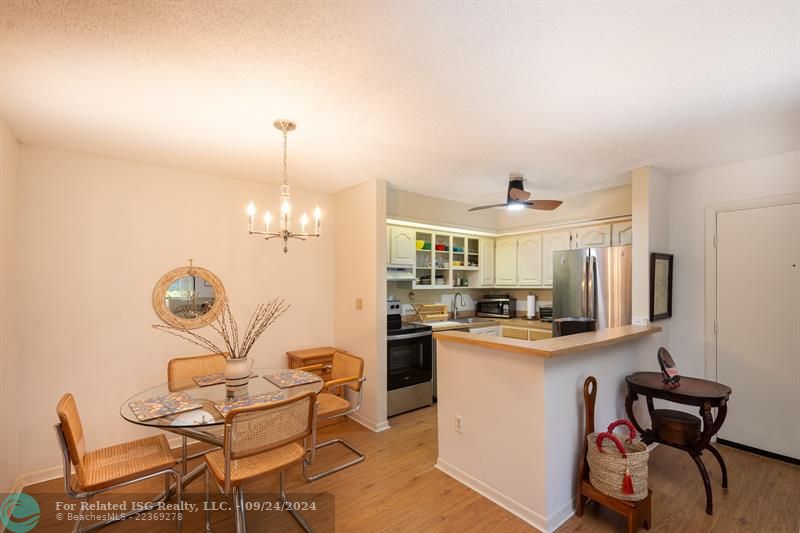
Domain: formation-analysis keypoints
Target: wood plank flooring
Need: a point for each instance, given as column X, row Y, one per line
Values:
column 397, row 489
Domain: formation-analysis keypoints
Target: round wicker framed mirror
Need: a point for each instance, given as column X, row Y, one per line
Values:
column 189, row 297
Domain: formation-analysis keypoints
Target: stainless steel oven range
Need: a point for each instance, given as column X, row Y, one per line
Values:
column 410, row 363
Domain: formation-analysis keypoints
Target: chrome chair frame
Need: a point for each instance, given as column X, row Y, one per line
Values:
column 316, row 446
column 88, row 495
column 240, row 519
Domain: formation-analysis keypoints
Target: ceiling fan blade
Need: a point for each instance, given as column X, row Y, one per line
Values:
column 544, row 205
column 518, row 195
column 485, row 207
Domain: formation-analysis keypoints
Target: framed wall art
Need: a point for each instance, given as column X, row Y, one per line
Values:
column 660, row 286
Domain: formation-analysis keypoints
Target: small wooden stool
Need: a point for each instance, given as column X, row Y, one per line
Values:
column 637, row 513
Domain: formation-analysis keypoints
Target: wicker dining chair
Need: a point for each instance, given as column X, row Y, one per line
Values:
column 347, row 370
column 110, row 468
column 180, row 372
column 260, row 440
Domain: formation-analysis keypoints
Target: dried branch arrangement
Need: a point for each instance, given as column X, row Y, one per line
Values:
column 226, row 327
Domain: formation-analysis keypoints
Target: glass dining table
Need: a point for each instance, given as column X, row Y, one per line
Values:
column 205, row 422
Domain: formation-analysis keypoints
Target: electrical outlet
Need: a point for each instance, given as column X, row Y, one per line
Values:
column 459, row 424
column 640, row 321
column 359, row 304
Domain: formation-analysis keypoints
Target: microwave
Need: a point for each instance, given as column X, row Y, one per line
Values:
column 496, row 306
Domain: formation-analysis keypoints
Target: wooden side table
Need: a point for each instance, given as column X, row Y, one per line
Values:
column 678, row 429
column 314, row 356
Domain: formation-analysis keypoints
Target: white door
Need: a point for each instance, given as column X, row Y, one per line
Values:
column 552, row 242
column 402, row 246
column 505, row 261
column 592, row 236
column 486, row 262
column 622, row 233
column 758, row 321
column 529, row 260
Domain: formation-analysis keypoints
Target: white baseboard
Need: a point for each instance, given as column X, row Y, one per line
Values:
column 561, row 515
column 509, row 504
column 370, row 424
column 39, row 476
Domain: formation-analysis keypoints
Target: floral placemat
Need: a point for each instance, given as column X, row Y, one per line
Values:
column 214, row 379
column 249, row 401
column 159, row 406
column 292, row 378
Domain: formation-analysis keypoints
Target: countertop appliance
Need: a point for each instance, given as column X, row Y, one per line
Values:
column 496, row 306
column 546, row 313
column 409, row 366
column 571, row 326
column 593, row 283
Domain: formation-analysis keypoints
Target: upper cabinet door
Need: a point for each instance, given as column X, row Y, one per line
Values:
column 486, row 262
column 505, row 261
column 402, row 246
column 622, row 233
column 552, row 242
column 592, row 236
column 529, row 260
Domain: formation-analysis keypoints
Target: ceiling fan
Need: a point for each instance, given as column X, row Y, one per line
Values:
column 517, row 198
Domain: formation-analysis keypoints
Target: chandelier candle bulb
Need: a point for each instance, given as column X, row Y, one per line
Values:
column 303, row 222
column 317, row 219
column 267, row 221
column 251, row 211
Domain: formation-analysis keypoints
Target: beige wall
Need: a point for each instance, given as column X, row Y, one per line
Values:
column 420, row 208
column 9, row 345
column 651, row 230
column 576, row 208
column 96, row 234
column 584, row 207
column 359, row 261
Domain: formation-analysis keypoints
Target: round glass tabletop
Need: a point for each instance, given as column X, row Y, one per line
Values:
column 207, row 399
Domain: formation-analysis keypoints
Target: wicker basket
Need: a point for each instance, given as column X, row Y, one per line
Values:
column 618, row 468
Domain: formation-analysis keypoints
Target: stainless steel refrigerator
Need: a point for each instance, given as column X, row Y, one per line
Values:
column 593, row 283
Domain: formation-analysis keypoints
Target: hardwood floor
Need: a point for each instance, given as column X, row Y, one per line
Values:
column 397, row 489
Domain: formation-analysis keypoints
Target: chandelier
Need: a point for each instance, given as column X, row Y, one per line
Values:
column 285, row 232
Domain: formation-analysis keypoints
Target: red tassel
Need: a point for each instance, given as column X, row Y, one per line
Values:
column 627, row 483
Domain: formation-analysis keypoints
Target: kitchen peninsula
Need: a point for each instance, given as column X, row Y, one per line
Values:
column 510, row 412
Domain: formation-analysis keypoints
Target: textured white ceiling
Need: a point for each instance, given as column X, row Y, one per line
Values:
column 441, row 98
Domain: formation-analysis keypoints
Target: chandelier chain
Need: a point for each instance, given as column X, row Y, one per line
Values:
column 285, row 173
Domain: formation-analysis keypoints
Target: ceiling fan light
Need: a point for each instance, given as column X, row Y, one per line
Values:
column 515, row 206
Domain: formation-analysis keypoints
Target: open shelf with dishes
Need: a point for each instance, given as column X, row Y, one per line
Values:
column 443, row 260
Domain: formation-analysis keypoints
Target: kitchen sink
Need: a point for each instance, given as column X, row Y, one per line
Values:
column 473, row 320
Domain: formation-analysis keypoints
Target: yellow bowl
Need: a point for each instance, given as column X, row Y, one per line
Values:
column 420, row 244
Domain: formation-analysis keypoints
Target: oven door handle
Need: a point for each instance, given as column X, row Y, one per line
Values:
column 391, row 338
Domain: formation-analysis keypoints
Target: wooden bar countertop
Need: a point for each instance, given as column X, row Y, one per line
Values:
column 554, row 347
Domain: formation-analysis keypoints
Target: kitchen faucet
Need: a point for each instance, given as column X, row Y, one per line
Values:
column 455, row 305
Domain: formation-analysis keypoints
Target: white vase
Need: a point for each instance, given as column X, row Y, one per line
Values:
column 237, row 374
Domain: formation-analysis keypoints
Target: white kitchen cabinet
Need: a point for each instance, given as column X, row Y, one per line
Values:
column 486, row 262
column 402, row 246
column 505, row 261
column 529, row 260
column 622, row 233
column 592, row 236
column 552, row 242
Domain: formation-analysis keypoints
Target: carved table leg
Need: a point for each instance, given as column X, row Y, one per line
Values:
column 629, row 399
column 722, row 466
column 706, row 482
